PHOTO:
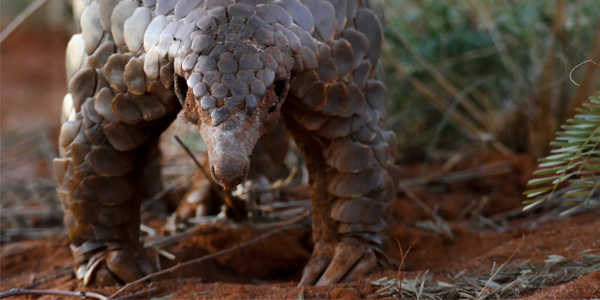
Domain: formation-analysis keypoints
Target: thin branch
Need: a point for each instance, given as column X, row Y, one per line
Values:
column 203, row 258
column 81, row 295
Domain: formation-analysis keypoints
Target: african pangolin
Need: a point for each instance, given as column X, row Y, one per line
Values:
column 233, row 66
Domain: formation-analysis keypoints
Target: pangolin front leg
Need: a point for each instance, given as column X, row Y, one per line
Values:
column 336, row 114
column 112, row 118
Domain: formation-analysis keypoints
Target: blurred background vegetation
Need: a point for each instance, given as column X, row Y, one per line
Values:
column 464, row 72
column 493, row 73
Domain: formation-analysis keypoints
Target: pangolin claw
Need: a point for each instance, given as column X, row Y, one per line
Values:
column 333, row 263
column 111, row 267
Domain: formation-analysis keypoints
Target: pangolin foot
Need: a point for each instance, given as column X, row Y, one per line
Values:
column 113, row 266
column 339, row 262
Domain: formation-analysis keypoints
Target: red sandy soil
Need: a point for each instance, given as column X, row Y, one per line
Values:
column 32, row 89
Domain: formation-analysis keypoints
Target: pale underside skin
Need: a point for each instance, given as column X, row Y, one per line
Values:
column 233, row 68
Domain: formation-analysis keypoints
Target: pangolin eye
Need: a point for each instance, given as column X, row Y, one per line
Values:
column 273, row 107
column 279, row 87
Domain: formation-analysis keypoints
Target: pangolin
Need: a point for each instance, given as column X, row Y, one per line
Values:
column 233, row 67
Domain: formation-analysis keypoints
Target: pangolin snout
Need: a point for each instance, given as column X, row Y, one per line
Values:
column 230, row 174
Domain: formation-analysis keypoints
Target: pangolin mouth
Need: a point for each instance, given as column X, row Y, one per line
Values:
column 229, row 184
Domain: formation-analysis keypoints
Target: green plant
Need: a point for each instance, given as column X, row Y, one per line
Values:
column 572, row 170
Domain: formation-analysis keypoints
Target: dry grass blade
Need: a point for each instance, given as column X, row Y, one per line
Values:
column 507, row 282
column 401, row 267
column 499, row 269
column 21, row 18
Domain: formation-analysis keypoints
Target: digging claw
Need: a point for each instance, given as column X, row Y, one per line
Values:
column 111, row 267
column 333, row 263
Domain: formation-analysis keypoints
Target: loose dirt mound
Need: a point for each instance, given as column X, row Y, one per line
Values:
column 461, row 218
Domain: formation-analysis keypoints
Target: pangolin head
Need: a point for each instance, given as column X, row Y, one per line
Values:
column 232, row 83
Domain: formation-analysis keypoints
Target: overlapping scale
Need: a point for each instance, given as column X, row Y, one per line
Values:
column 107, row 161
column 91, row 28
column 322, row 12
column 125, row 137
column 349, row 185
column 114, row 69
column 134, row 76
column 120, row 14
column 82, row 86
column 348, row 156
column 134, row 29
column 368, row 24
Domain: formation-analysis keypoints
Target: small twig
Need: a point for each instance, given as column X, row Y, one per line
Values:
column 21, row 292
column 500, row 269
column 203, row 258
column 401, row 267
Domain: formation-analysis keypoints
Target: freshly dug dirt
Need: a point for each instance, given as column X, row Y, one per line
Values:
column 465, row 218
